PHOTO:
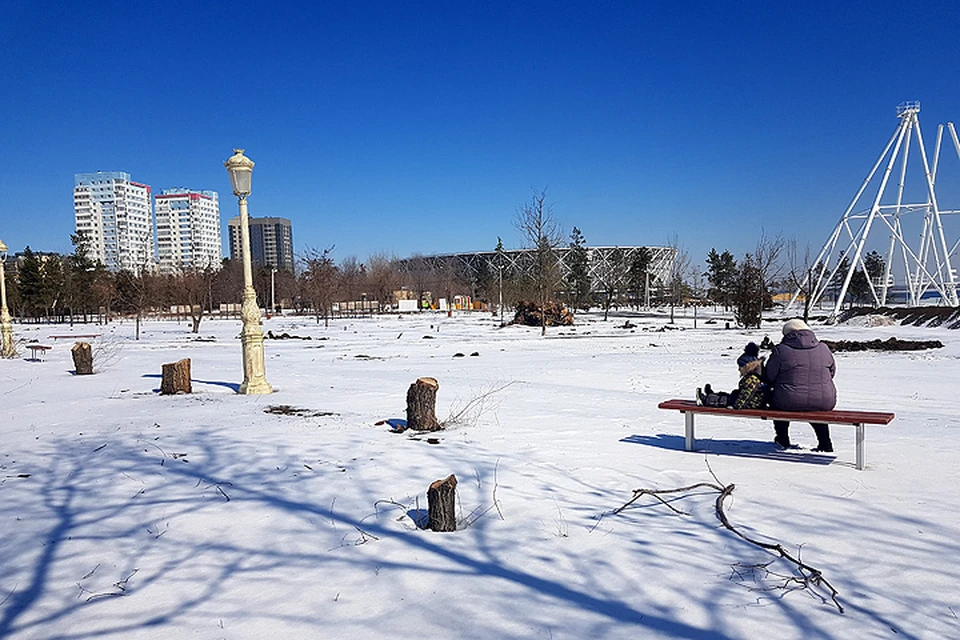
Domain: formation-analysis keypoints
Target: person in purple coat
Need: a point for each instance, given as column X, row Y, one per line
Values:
column 800, row 374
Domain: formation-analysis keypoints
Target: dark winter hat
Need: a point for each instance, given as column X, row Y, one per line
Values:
column 746, row 359
column 752, row 349
column 795, row 325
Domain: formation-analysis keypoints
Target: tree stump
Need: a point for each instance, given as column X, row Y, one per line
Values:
column 441, row 504
column 176, row 378
column 82, row 358
column 421, row 400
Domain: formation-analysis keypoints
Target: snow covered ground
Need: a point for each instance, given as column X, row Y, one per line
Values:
column 126, row 514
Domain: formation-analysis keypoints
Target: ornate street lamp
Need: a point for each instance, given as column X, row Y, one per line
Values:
column 240, row 169
column 6, row 326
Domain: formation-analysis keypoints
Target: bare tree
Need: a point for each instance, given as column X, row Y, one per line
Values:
column 104, row 292
column 766, row 257
column 383, row 277
column 353, row 275
column 541, row 233
column 677, row 276
column 610, row 279
column 227, row 286
column 136, row 293
column 800, row 275
column 195, row 288
column 319, row 281
column 449, row 278
column 418, row 278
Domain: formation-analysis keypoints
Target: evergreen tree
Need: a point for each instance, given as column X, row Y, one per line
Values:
column 578, row 274
column 53, row 285
column 637, row 274
column 30, row 276
column 860, row 290
column 504, row 278
column 79, row 274
column 721, row 277
column 750, row 293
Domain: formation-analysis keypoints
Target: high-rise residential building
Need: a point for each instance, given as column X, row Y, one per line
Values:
column 188, row 230
column 115, row 215
column 271, row 242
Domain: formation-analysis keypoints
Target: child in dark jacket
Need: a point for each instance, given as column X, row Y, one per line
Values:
column 749, row 394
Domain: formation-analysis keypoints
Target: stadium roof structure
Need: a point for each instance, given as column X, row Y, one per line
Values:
column 605, row 264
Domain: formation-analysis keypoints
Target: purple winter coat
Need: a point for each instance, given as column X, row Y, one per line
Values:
column 800, row 371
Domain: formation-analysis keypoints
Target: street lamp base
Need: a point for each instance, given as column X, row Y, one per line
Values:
column 255, row 387
column 7, row 350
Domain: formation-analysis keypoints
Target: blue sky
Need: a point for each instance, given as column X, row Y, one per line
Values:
column 408, row 127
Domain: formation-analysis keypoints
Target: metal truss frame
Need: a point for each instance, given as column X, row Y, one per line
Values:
column 926, row 268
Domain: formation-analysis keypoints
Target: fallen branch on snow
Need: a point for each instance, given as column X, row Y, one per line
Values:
column 807, row 578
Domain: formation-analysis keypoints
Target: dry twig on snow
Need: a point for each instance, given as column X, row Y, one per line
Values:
column 472, row 410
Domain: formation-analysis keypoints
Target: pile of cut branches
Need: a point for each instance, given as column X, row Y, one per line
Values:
column 552, row 315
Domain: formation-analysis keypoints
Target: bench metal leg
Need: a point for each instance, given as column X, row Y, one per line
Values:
column 859, row 447
column 688, row 419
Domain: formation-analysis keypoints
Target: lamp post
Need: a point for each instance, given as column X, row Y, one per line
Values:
column 273, row 291
column 240, row 169
column 6, row 327
column 500, row 301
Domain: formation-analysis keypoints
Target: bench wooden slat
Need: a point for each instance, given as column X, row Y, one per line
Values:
column 829, row 417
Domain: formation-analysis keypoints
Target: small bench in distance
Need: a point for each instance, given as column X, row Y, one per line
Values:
column 37, row 351
column 857, row 419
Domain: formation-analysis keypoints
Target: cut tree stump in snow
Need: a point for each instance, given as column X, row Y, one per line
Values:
column 421, row 402
column 82, row 354
column 441, row 504
column 176, row 378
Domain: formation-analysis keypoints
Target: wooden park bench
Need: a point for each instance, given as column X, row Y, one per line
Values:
column 37, row 351
column 858, row 419
column 69, row 336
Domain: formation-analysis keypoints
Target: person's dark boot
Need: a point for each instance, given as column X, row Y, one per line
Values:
column 824, row 444
column 782, row 429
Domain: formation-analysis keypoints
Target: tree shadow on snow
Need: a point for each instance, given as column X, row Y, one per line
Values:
column 735, row 448
column 128, row 520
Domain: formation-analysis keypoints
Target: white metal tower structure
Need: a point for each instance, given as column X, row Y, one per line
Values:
column 926, row 268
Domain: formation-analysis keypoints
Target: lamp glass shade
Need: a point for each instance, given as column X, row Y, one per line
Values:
column 240, row 169
column 3, row 252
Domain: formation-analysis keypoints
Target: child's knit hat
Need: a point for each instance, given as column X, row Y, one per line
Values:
column 750, row 353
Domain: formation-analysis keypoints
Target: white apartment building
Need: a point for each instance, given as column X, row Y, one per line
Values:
column 116, row 216
column 188, row 230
